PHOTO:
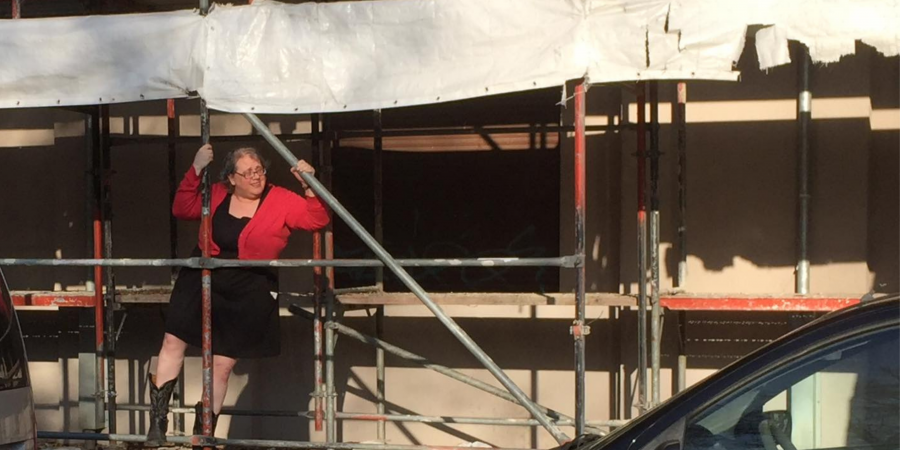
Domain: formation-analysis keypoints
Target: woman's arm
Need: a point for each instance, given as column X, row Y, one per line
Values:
column 188, row 201
column 305, row 213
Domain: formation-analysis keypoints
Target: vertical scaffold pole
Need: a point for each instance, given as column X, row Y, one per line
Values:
column 804, row 114
column 378, row 182
column 330, row 338
column 642, row 246
column 109, row 279
column 96, row 137
column 681, row 123
column 681, row 280
column 579, row 329
column 319, row 277
column 173, row 133
column 206, row 275
column 656, row 314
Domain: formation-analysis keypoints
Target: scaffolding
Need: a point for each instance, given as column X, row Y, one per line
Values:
column 106, row 298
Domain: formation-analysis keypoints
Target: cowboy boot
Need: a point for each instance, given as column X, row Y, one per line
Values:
column 159, row 412
column 198, row 422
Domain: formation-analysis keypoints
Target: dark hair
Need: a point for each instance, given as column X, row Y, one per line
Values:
column 232, row 158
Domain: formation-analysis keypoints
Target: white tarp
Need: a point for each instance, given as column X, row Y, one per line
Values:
column 365, row 55
column 271, row 57
column 100, row 59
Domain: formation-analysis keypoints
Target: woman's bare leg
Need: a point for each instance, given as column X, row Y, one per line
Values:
column 222, row 366
column 171, row 358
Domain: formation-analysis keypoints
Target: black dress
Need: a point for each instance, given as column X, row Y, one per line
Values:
column 244, row 314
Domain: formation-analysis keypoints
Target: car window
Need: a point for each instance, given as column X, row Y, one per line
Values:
column 12, row 353
column 845, row 396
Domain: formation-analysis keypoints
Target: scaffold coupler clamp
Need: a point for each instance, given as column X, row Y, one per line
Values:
column 576, row 260
column 579, row 330
column 199, row 440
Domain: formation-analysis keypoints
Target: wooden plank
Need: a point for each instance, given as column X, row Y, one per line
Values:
column 485, row 298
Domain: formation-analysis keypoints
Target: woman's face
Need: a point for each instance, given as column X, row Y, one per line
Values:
column 249, row 177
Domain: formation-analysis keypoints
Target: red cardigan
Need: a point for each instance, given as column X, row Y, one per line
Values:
column 266, row 235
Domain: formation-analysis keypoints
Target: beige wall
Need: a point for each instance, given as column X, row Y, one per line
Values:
column 742, row 191
column 741, row 239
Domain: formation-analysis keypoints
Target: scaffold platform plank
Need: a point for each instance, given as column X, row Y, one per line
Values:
column 486, row 298
column 679, row 302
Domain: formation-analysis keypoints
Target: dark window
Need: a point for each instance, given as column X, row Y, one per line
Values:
column 13, row 365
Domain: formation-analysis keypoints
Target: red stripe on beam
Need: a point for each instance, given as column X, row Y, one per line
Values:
column 68, row 299
column 757, row 303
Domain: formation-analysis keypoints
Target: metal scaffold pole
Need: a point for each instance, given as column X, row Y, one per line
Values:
column 330, row 338
column 109, row 279
column 215, row 263
column 319, row 281
column 579, row 329
column 409, row 282
column 206, row 275
column 378, row 182
column 96, row 167
column 804, row 114
column 655, row 312
column 642, row 247
column 681, row 124
column 173, row 132
column 681, row 280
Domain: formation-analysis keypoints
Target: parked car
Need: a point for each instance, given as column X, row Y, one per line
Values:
column 831, row 384
column 17, row 427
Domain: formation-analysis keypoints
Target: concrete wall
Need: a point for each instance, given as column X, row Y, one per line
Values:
column 741, row 239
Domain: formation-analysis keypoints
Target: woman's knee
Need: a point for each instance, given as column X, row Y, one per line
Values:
column 173, row 346
column 222, row 366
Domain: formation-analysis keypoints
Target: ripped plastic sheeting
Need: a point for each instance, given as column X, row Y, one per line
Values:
column 829, row 28
column 100, row 59
column 270, row 57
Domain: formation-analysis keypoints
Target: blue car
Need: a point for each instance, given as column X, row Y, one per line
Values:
column 831, row 384
column 17, row 427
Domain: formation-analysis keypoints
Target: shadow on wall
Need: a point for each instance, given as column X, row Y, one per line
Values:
column 742, row 171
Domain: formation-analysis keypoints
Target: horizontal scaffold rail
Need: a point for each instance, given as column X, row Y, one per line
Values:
column 120, row 139
column 215, row 263
column 255, row 443
column 373, row 417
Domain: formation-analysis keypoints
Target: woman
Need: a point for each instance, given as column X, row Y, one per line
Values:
column 251, row 219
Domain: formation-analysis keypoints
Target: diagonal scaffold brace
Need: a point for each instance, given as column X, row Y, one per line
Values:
column 410, row 283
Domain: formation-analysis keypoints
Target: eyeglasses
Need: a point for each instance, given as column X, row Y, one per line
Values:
column 260, row 172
